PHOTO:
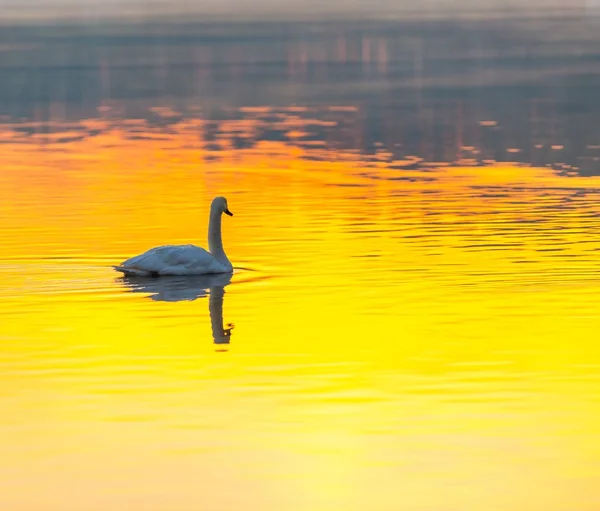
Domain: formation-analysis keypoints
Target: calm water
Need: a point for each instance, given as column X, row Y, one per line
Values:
column 411, row 325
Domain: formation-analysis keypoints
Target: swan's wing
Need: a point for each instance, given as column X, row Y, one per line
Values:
column 172, row 260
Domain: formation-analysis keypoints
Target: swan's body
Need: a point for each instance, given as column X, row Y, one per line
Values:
column 174, row 260
column 185, row 259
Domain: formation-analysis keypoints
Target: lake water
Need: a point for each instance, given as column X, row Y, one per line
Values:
column 413, row 316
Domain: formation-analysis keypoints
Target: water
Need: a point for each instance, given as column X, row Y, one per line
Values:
column 411, row 323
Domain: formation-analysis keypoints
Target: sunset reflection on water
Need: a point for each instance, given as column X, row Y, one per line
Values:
column 411, row 321
column 402, row 327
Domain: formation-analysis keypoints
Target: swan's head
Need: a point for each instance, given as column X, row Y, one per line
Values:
column 220, row 204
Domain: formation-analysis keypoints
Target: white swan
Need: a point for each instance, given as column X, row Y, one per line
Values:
column 185, row 259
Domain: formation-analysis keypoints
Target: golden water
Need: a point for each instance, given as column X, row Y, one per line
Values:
column 425, row 343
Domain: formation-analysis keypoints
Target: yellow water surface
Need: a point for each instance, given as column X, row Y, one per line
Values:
column 400, row 339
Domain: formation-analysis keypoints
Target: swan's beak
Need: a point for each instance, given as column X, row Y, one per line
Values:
column 227, row 212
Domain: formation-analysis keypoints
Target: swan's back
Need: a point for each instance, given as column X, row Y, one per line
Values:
column 173, row 260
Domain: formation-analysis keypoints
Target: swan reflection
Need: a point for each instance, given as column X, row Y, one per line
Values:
column 188, row 288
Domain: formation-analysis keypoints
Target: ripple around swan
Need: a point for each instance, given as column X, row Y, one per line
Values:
column 66, row 275
column 185, row 288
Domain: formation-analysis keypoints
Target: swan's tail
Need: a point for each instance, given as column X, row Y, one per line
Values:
column 131, row 271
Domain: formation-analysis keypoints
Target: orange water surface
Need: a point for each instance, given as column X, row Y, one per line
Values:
column 400, row 339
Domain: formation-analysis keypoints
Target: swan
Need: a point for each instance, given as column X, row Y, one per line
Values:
column 185, row 259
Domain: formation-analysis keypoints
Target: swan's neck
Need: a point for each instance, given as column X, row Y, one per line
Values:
column 215, row 241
